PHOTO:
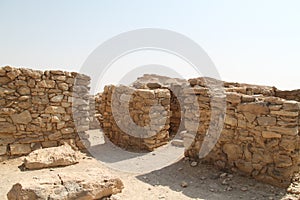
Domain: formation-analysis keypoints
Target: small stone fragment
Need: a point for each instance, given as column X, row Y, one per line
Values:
column 194, row 164
column 184, row 184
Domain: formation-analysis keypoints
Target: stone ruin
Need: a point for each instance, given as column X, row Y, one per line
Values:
column 40, row 109
column 260, row 125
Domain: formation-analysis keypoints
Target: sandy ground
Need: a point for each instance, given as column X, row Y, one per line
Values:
column 151, row 176
column 203, row 182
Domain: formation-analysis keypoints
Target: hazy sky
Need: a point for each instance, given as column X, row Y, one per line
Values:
column 253, row 41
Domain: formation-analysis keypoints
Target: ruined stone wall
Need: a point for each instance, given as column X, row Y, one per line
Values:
column 41, row 109
column 260, row 132
column 289, row 94
column 175, row 86
column 94, row 115
column 146, row 109
column 260, row 136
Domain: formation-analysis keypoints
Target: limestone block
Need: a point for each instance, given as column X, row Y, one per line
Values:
column 46, row 84
column 20, row 82
column 24, row 90
column 269, row 135
column 59, row 78
column 2, row 72
column 247, row 98
column 233, row 151
column 288, row 143
column 260, row 156
column 4, row 80
column 257, row 108
column 51, row 157
column 233, row 97
column 63, row 86
column 35, row 74
column 153, row 85
column 266, row 121
column 3, row 149
column 19, row 149
column 22, row 118
column 60, row 125
column 5, row 91
column 7, row 111
column 13, row 74
column 284, row 130
column 55, row 136
column 67, row 186
column 275, row 107
column 146, row 93
column 6, row 127
column 231, row 120
column 249, row 116
column 244, row 166
column 47, row 144
column 67, row 130
column 31, row 83
column 57, row 98
column 55, row 110
column 283, row 161
column 291, row 106
column 285, row 113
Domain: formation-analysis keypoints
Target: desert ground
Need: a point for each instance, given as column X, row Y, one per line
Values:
column 180, row 180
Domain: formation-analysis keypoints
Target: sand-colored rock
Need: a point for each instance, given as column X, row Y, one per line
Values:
column 66, row 186
column 22, row 118
column 51, row 157
column 20, row 149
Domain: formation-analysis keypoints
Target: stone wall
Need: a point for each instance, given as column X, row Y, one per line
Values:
column 175, row 87
column 260, row 136
column 288, row 94
column 132, row 117
column 94, row 115
column 41, row 109
column 260, row 133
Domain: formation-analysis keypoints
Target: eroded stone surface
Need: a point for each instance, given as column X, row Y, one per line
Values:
column 20, row 149
column 36, row 107
column 51, row 157
column 67, row 186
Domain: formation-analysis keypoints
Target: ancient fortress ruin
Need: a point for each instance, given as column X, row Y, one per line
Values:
column 259, row 133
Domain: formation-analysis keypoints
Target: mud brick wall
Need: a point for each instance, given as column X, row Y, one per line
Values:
column 145, row 107
column 41, row 109
column 260, row 136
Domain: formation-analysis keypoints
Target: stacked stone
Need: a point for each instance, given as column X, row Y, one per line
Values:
column 98, row 115
column 94, row 117
column 197, row 115
column 288, row 94
column 176, row 87
column 242, row 88
column 136, row 119
column 36, row 109
column 259, row 137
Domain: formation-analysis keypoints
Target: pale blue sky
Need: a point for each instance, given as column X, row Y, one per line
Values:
column 254, row 41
